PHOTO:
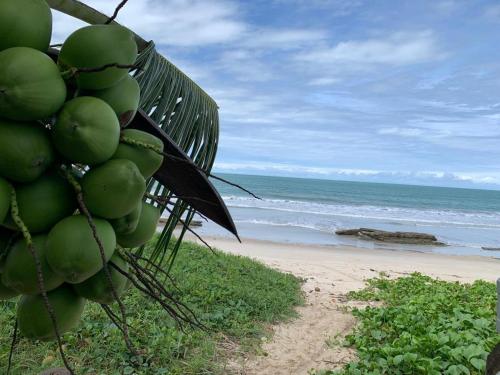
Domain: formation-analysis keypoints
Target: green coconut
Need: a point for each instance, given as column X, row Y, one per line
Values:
column 113, row 189
column 98, row 289
column 94, row 47
column 6, row 293
column 5, row 195
column 34, row 320
column 72, row 251
column 25, row 23
column 31, row 86
column 148, row 161
column 123, row 98
column 127, row 224
column 44, row 202
column 20, row 272
column 145, row 230
column 25, row 151
column 86, row 131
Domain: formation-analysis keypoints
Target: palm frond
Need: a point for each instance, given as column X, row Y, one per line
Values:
column 180, row 107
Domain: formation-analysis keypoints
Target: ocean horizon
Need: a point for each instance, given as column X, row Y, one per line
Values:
column 309, row 211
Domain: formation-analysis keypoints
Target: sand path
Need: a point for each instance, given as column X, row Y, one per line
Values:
column 331, row 272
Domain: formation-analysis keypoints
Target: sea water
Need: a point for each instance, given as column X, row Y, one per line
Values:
column 309, row 211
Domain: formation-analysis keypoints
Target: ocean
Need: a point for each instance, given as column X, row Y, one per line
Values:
column 309, row 211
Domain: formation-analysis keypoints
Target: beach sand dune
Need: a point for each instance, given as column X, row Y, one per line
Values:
column 310, row 340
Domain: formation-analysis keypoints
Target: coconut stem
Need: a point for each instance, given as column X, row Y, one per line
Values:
column 145, row 281
column 14, row 208
column 12, row 345
column 135, row 142
column 157, row 269
column 83, row 208
column 114, row 318
column 73, row 72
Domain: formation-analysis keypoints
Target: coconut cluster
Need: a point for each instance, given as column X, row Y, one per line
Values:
column 62, row 136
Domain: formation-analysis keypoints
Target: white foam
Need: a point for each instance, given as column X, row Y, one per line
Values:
column 421, row 217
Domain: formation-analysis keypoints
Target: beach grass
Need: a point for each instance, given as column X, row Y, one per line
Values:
column 424, row 326
column 235, row 297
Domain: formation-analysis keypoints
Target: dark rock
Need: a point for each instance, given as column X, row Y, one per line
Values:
column 347, row 232
column 490, row 248
column 413, row 238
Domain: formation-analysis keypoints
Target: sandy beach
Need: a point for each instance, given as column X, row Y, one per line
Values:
column 330, row 272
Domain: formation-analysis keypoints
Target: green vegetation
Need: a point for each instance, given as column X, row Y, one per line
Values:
column 234, row 296
column 425, row 326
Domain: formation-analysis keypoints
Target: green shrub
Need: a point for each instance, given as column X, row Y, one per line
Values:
column 425, row 326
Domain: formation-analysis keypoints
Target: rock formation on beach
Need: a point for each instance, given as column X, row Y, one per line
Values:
column 413, row 238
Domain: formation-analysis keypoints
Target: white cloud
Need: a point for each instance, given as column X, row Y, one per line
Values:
column 418, row 177
column 189, row 23
column 338, row 8
column 244, row 65
column 292, row 168
column 404, row 132
column 448, row 6
column 182, row 23
column 283, row 38
column 493, row 12
column 459, row 107
column 246, row 61
column 397, row 49
column 324, row 81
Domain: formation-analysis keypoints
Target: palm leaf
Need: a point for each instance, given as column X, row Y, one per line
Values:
column 180, row 107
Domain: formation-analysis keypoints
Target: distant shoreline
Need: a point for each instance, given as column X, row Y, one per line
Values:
column 301, row 210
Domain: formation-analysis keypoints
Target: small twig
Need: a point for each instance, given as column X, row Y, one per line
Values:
column 83, row 208
column 12, row 346
column 104, row 67
column 14, row 209
column 157, row 268
column 234, row 185
column 114, row 318
column 115, row 14
column 160, row 200
column 73, row 72
column 202, row 216
column 131, row 259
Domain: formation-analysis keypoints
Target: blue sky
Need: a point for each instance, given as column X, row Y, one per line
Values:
column 392, row 91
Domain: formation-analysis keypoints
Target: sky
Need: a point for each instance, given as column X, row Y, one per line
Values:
column 363, row 90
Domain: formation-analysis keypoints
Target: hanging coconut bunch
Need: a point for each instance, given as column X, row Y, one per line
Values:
column 72, row 179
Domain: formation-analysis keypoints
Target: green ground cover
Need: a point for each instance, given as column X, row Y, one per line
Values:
column 425, row 326
column 237, row 298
